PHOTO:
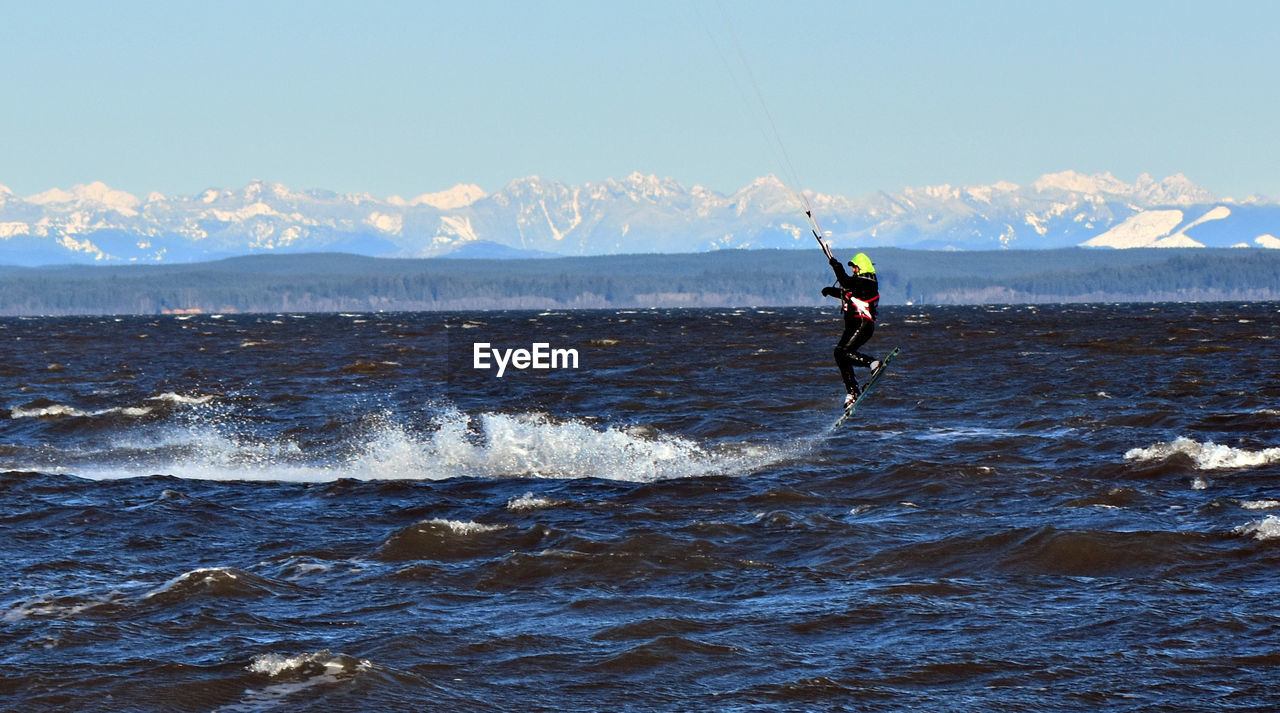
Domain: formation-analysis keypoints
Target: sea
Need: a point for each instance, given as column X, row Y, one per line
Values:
column 1037, row 508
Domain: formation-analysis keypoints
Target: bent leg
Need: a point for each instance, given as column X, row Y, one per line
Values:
column 845, row 363
column 854, row 337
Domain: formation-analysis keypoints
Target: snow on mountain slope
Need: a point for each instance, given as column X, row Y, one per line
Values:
column 1176, row 190
column 460, row 196
column 1140, row 230
column 635, row 214
column 1158, row 229
column 1180, row 239
column 1217, row 213
column 94, row 196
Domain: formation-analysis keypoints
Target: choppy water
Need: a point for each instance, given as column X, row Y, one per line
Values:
column 1049, row 508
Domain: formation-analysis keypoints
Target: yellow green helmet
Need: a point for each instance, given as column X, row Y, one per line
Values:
column 863, row 263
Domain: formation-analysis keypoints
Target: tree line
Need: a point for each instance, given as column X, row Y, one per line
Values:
column 339, row 282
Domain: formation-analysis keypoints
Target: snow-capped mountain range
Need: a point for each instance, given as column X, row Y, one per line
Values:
column 636, row 214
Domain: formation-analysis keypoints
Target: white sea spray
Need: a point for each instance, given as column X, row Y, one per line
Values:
column 463, row 527
column 529, row 502
column 292, row 675
column 1260, row 504
column 1207, row 455
column 1265, row 529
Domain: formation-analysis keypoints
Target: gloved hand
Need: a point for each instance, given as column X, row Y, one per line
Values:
column 834, row 262
column 831, row 292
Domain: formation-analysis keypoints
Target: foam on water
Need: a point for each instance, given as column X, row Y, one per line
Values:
column 299, row 673
column 529, row 502
column 1265, row 529
column 52, row 606
column 463, row 528
column 48, row 409
column 183, row 399
column 276, row 664
column 1206, row 456
column 65, row 411
column 452, row 445
column 1260, row 504
column 197, row 577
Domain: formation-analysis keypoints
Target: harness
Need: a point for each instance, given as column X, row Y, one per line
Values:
column 862, row 307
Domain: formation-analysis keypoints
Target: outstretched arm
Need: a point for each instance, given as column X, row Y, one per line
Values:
column 837, row 268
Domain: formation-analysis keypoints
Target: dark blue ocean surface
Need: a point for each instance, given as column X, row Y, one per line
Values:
column 1068, row 508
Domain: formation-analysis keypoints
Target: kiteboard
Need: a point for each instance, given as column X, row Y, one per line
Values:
column 875, row 376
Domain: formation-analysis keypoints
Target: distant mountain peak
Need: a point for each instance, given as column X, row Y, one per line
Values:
column 767, row 182
column 638, row 178
column 767, row 196
column 1174, row 190
column 943, row 191
column 93, row 196
column 257, row 189
column 460, row 196
column 1075, row 182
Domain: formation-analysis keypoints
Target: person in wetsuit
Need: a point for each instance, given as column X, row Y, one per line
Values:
column 859, row 294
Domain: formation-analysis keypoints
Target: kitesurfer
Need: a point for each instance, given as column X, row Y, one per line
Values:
column 858, row 294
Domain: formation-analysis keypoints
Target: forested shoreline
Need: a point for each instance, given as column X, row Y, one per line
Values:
column 332, row 282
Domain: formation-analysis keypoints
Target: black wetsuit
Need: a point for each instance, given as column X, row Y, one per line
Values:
column 859, row 294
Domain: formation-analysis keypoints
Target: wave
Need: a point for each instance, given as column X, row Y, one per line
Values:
column 44, row 409
column 1051, row 550
column 537, row 445
column 441, row 539
column 215, row 582
column 662, row 651
column 48, row 409
column 1265, row 529
column 121, row 600
column 204, row 582
column 452, row 444
column 291, row 674
column 530, row 502
column 539, row 558
column 57, row 606
column 1259, row 504
column 320, row 662
column 183, row 399
column 1205, row 456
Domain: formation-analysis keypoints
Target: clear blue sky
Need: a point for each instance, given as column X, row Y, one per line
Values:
column 412, row 97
